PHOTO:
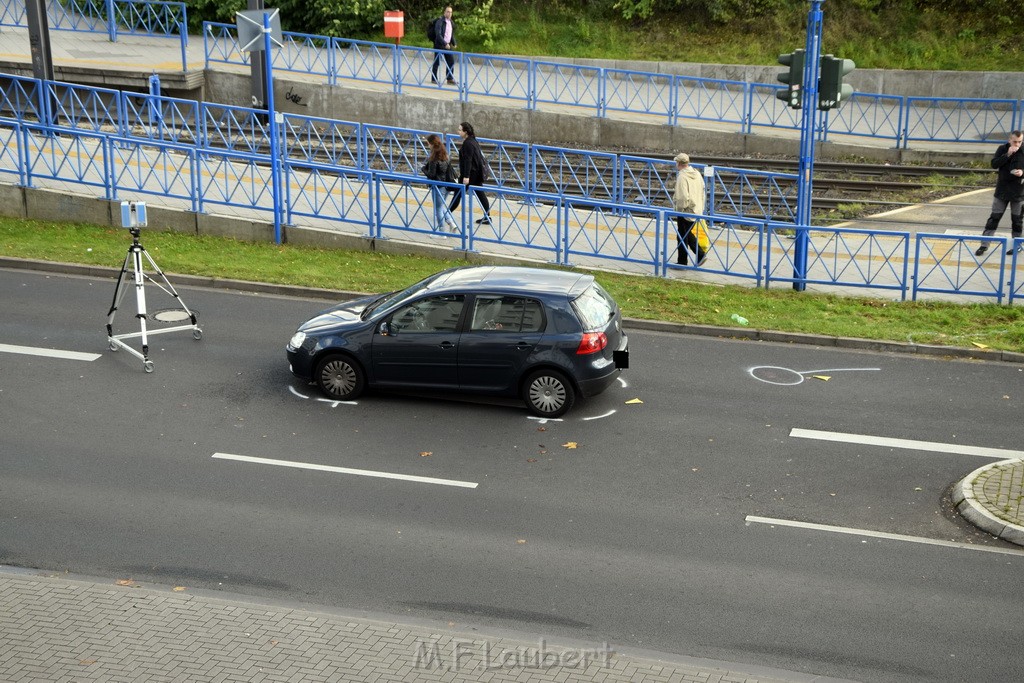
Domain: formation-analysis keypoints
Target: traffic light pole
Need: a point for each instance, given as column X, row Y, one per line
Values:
column 807, row 132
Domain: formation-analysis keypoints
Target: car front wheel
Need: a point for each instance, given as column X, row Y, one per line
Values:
column 340, row 378
column 548, row 393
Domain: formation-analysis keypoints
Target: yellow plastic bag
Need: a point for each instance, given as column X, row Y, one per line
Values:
column 700, row 228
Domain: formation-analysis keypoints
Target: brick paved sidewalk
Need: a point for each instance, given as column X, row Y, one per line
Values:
column 992, row 498
column 54, row 628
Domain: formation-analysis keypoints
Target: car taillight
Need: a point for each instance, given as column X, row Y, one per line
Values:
column 592, row 342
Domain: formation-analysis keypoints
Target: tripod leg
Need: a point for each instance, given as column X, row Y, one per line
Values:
column 119, row 291
column 140, row 298
column 169, row 287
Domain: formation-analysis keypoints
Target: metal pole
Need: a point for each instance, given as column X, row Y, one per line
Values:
column 812, row 59
column 275, row 170
column 257, row 70
column 42, row 58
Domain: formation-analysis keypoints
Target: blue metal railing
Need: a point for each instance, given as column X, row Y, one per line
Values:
column 673, row 99
column 945, row 119
column 156, row 18
column 202, row 156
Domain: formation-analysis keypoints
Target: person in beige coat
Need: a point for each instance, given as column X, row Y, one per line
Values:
column 688, row 198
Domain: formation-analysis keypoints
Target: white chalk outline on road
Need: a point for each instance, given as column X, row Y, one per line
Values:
column 868, row 440
column 754, row 519
column 49, row 353
column 752, row 372
column 346, row 470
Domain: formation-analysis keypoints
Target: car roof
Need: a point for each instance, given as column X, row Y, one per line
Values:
column 512, row 279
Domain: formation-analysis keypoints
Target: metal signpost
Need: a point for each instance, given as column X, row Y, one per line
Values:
column 258, row 30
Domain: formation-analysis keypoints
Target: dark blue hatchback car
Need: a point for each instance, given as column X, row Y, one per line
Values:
column 544, row 335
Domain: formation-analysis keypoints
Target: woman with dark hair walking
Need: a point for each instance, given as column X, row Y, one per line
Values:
column 473, row 171
column 439, row 168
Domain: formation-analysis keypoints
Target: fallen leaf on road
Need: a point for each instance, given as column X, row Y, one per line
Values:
column 823, row 378
column 178, row 589
column 520, row 541
column 426, row 454
column 571, row 444
column 980, row 345
column 125, row 582
column 633, row 401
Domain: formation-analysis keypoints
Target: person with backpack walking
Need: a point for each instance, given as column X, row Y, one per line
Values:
column 442, row 32
column 439, row 168
column 473, row 171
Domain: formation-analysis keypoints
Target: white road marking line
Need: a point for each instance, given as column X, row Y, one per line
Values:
column 49, row 353
column 346, row 470
column 866, row 439
column 749, row 519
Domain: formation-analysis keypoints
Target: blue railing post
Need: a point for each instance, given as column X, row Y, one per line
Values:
column 748, row 108
column 904, row 126
column 807, row 132
column 396, row 59
column 111, row 22
column 531, row 86
column 21, row 133
column 153, row 104
column 275, row 144
column 332, row 61
column 183, row 32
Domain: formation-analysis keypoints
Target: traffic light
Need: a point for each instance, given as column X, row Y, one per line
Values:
column 794, row 78
column 831, row 90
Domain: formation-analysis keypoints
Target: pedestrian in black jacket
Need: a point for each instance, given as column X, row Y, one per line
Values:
column 1009, row 162
column 473, row 171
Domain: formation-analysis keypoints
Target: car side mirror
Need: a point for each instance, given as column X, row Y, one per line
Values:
column 385, row 329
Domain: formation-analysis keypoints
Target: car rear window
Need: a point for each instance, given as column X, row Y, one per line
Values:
column 507, row 314
column 595, row 308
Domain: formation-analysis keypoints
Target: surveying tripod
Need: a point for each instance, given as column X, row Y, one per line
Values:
column 133, row 260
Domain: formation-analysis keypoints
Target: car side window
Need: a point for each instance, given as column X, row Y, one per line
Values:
column 432, row 314
column 507, row 314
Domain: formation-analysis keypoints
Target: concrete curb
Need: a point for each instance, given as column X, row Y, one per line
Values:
column 744, row 333
column 974, row 504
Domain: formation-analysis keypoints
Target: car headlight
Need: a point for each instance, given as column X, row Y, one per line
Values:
column 296, row 341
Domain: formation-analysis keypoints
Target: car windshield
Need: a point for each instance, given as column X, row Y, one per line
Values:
column 387, row 301
column 595, row 307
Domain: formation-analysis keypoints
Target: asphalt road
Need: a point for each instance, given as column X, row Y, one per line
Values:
column 628, row 521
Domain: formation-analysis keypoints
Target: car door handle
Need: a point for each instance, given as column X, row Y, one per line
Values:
column 524, row 346
column 447, row 345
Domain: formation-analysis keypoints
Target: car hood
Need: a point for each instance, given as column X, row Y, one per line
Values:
column 345, row 312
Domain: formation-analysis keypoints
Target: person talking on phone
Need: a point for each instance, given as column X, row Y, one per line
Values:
column 1009, row 164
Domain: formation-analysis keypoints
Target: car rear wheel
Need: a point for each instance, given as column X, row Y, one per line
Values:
column 548, row 393
column 340, row 377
